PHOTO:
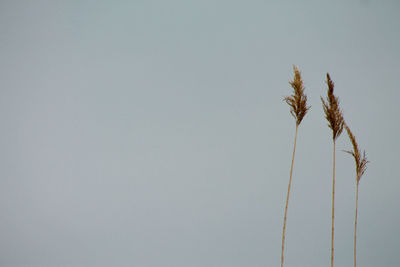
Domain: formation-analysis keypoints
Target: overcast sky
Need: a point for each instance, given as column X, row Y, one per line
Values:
column 153, row 133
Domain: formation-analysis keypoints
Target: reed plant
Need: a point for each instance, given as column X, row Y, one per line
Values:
column 361, row 165
column 335, row 120
column 298, row 108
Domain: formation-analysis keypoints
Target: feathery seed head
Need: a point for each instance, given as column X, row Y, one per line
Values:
column 361, row 162
column 297, row 101
column 332, row 111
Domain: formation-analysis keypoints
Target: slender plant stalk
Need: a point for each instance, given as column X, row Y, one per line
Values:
column 287, row 199
column 333, row 205
column 355, row 229
column 334, row 116
column 361, row 166
column 298, row 109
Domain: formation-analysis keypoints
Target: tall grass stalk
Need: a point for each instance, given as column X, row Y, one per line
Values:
column 361, row 166
column 298, row 109
column 335, row 120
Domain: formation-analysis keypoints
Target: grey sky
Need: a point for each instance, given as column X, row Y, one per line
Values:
column 153, row 133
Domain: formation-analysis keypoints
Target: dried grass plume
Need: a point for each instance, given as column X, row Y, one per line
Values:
column 332, row 111
column 297, row 101
column 361, row 161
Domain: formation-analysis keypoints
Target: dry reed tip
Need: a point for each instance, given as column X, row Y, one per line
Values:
column 332, row 111
column 361, row 162
column 297, row 101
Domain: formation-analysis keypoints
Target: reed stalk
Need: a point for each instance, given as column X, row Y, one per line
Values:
column 333, row 205
column 355, row 229
column 334, row 116
column 287, row 199
column 298, row 109
column 361, row 166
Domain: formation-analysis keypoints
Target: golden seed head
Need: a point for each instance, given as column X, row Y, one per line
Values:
column 297, row 101
column 332, row 111
column 361, row 162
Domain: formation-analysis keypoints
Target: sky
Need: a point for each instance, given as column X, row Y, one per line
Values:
column 154, row 133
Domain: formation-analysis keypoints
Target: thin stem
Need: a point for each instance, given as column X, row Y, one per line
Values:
column 287, row 198
column 355, row 229
column 333, row 205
